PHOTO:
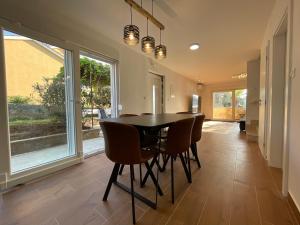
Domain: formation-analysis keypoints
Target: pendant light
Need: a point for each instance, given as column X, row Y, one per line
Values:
column 148, row 42
column 160, row 50
column 131, row 32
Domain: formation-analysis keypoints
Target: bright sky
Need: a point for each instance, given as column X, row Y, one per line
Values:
column 8, row 33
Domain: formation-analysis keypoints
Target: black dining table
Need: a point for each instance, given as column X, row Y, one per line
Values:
column 152, row 121
column 148, row 122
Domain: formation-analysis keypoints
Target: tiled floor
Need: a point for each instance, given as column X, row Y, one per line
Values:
column 31, row 159
column 233, row 187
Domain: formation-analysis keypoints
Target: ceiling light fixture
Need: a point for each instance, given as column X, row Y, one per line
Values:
column 194, row 46
column 131, row 32
column 240, row 76
column 148, row 42
column 160, row 50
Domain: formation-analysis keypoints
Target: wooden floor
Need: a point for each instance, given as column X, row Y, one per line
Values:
column 234, row 187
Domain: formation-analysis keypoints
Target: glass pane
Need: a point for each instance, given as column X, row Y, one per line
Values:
column 38, row 85
column 222, row 105
column 240, row 103
column 95, row 76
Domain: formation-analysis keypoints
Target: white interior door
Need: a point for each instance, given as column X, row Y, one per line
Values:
column 157, row 93
column 263, row 106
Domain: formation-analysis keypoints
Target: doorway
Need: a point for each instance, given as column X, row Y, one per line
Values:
column 277, row 103
column 97, row 93
column 157, row 93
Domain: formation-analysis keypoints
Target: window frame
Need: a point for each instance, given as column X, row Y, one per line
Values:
column 13, row 179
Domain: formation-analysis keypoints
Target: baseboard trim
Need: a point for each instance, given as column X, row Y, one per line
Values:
column 294, row 208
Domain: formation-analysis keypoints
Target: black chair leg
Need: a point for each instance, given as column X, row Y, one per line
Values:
column 195, row 153
column 132, row 193
column 189, row 165
column 172, row 180
column 187, row 173
column 112, row 179
column 141, row 178
column 121, row 170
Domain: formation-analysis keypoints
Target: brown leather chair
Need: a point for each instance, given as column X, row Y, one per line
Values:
column 122, row 146
column 146, row 141
column 178, row 142
column 184, row 113
column 196, row 136
column 127, row 115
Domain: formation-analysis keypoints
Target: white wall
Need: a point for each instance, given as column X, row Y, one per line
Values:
column 134, row 95
column 206, row 94
column 293, row 141
column 253, row 71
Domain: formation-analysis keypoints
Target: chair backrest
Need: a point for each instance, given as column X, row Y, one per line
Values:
column 103, row 114
column 122, row 143
column 184, row 113
column 197, row 128
column 127, row 115
column 179, row 136
column 145, row 114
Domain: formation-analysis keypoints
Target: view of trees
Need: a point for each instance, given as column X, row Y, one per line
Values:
column 95, row 89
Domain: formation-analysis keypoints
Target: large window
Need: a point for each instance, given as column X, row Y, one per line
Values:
column 229, row 105
column 222, row 105
column 39, row 91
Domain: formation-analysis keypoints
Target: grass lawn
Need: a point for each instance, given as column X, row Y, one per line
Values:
column 19, row 122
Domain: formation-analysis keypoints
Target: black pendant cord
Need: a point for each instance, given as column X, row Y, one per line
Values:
column 160, row 36
column 152, row 8
column 147, row 27
column 130, row 14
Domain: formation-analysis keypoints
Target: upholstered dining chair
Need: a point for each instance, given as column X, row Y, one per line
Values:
column 196, row 136
column 127, row 115
column 184, row 113
column 177, row 143
column 122, row 146
column 146, row 141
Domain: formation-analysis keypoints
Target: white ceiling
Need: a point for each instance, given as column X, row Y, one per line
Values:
column 229, row 31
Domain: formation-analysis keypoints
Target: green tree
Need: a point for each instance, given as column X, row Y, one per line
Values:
column 52, row 95
column 95, row 88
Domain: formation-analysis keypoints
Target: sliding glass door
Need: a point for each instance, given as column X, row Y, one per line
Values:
column 39, row 81
column 240, row 103
column 96, row 77
column 229, row 105
column 222, row 105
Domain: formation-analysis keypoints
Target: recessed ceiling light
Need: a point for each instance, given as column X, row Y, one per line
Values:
column 240, row 76
column 194, row 46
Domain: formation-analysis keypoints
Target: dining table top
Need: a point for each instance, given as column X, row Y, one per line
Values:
column 151, row 121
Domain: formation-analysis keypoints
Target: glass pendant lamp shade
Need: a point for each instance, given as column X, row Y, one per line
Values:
column 131, row 35
column 148, row 42
column 131, row 32
column 160, row 51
